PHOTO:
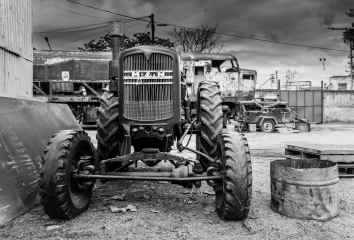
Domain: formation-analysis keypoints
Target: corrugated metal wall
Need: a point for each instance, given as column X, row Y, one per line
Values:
column 16, row 55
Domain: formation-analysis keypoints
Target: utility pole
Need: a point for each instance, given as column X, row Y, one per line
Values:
column 324, row 69
column 152, row 17
column 47, row 40
column 152, row 23
column 351, row 61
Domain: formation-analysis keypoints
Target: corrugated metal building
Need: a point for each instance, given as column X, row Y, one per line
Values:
column 16, row 70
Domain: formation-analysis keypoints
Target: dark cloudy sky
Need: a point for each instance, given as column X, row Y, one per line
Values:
column 302, row 22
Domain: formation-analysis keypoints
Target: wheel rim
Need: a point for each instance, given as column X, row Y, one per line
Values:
column 267, row 126
column 79, row 197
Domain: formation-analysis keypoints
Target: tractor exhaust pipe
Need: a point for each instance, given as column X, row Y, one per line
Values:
column 115, row 32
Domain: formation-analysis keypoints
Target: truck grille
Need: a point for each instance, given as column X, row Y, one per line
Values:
column 148, row 87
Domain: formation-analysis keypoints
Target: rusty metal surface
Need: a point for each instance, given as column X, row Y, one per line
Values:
column 304, row 189
column 89, row 66
column 26, row 125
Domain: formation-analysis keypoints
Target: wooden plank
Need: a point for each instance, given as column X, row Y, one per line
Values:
column 346, row 175
column 327, row 149
column 341, row 165
column 338, row 158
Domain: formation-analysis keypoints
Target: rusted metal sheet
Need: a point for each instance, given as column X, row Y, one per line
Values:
column 305, row 189
column 26, row 125
column 62, row 87
column 15, row 74
column 229, row 82
column 16, row 27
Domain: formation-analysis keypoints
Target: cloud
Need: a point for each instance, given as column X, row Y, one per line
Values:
column 271, row 36
column 325, row 18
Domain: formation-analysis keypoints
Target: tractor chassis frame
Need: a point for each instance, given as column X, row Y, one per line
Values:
column 184, row 171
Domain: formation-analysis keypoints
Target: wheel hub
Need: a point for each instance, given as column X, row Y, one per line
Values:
column 83, row 168
column 215, row 170
column 267, row 126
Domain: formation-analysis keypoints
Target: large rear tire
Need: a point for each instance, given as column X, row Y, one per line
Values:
column 211, row 116
column 60, row 195
column 233, row 199
column 108, row 128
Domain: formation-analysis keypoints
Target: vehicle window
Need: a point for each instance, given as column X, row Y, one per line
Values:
column 226, row 65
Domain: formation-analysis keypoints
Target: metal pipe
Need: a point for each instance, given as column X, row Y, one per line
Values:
column 141, row 174
column 150, row 178
column 124, row 166
column 115, row 46
column 200, row 153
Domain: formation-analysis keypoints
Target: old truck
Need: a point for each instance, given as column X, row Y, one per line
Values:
column 142, row 109
column 235, row 83
column 74, row 78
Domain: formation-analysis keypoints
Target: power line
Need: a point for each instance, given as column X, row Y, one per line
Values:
column 73, row 11
column 109, row 11
column 225, row 34
column 64, row 34
column 81, row 38
column 264, row 40
column 72, row 28
column 132, row 25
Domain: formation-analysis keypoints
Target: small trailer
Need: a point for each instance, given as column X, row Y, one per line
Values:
column 266, row 114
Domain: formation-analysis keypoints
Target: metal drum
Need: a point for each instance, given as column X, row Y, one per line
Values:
column 252, row 127
column 305, row 189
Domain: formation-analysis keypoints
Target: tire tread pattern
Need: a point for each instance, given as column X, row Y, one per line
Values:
column 108, row 126
column 211, row 118
column 54, row 182
column 237, row 190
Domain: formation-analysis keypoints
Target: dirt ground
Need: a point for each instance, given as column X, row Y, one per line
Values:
column 166, row 211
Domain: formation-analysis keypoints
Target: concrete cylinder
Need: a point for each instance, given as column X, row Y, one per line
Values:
column 304, row 189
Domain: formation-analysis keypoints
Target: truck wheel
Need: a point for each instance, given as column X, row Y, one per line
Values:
column 233, row 199
column 107, row 129
column 211, row 117
column 61, row 196
column 267, row 126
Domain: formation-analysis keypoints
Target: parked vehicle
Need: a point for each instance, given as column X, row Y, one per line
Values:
column 143, row 110
column 235, row 83
column 266, row 114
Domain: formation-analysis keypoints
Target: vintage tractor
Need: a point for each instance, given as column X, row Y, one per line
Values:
column 144, row 112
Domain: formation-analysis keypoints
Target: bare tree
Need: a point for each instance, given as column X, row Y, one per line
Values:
column 289, row 77
column 201, row 39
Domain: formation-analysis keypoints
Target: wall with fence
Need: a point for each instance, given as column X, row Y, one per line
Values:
column 338, row 106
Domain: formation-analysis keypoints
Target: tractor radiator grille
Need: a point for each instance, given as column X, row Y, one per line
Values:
column 148, row 87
